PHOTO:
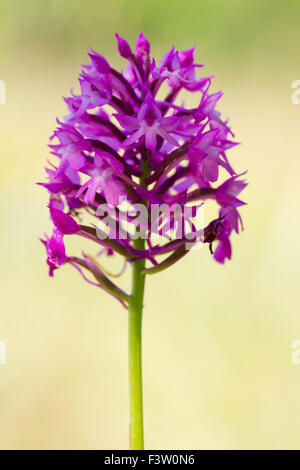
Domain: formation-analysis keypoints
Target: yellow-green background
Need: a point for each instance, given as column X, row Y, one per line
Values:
column 217, row 339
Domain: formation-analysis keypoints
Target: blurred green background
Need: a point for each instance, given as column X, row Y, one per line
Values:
column 217, row 339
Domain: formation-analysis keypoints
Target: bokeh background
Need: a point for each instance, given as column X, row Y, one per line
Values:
column 217, row 339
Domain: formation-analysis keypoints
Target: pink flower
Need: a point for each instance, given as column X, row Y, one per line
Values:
column 102, row 177
column 56, row 254
column 149, row 124
column 120, row 140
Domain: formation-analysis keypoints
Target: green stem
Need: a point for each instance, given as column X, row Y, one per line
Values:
column 135, row 352
column 136, row 426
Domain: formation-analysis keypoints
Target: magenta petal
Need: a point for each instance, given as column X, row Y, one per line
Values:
column 170, row 123
column 64, row 222
column 113, row 192
column 206, row 139
column 211, row 101
column 133, row 138
column 76, row 160
column 223, row 251
column 233, row 186
column 142, row 45
column 210, row 169
column 128, row 122
column 123, row 47
column 100, row 63
column 186, row 57
column 168, row 137
column 226, row 200
column 149, row 105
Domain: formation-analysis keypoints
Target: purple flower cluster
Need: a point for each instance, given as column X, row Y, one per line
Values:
column 129, row 135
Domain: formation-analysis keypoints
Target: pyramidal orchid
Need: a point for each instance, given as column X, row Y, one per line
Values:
column 132, row 167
